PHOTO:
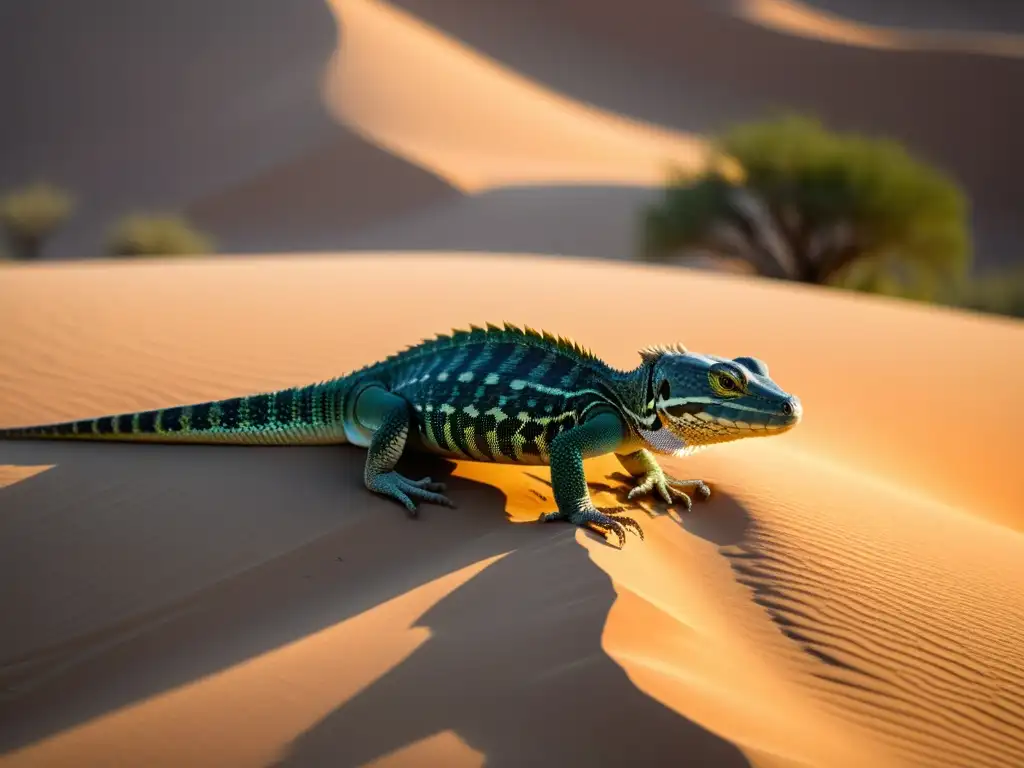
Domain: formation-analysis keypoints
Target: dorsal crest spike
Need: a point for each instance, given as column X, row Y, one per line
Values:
column 508, row 332
column 657, row 350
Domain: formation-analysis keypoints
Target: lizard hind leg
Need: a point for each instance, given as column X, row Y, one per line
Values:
column 388, row 415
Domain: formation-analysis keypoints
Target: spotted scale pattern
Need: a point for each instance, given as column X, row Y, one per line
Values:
column 496, row 399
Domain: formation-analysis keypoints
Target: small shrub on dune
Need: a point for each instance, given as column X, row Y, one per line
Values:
column 31, row 215
column 818, row 207
column 157, row 235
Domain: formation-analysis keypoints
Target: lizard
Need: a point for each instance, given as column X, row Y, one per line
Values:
column 504, row 394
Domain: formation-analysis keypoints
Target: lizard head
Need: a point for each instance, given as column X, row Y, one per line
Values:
column 699, row 400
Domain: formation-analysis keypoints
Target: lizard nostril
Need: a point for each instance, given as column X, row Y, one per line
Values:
column 787, row 408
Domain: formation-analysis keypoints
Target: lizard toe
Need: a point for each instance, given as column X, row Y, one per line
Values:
column 699, row 485
column 430, row 497
column 591, row 517
column 394, row 486
column 683, row 497
column 427, row 483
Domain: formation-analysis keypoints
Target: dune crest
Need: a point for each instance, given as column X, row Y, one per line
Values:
column 797, row 18
column 435, row 102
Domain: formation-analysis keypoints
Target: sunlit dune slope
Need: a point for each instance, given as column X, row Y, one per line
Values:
column 849, row 596
column 429, row 99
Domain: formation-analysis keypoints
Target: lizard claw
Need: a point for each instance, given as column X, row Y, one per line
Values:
column 599, row 520
column 404, row 491
column 668, row 488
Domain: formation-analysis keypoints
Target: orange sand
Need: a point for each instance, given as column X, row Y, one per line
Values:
column 851, row 595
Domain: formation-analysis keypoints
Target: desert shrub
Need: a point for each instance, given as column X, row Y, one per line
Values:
column 31, row 215
column 156, row 235
column 819, row 207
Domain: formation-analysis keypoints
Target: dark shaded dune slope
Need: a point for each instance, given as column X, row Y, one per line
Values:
column 976, row 16
column 588, row 221
column 139, row 104
column 317, row 201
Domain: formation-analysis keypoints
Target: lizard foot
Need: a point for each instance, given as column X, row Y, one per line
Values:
column 404, row 490
column 599, row 520
column 669, row 488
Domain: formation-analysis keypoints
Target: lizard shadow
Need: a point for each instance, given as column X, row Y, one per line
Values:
column 556, row 699
column 132, row 571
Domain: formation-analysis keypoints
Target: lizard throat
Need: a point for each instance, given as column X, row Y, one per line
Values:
column 663, row 441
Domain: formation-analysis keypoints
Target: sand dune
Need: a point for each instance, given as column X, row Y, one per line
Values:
column 429, row 99
column 230, row 125
column 221, row 98
column 336, row 192
column 692, row 66
column 804, row 19
column 573, row 220
column 978, row 16
column 851, row 594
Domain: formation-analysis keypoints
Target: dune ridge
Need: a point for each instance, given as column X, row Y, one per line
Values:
column 488, row 126
column 800, row 18
column 850, row 594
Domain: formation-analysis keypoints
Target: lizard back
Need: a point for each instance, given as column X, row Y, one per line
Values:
column 499, row 395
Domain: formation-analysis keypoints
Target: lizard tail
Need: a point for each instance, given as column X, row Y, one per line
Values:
column 310, row 415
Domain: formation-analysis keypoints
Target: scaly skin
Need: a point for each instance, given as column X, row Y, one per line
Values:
column 505, row 395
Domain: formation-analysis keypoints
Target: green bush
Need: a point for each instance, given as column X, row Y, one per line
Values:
column 31, row 215
column 810, row 204
column 156, row 235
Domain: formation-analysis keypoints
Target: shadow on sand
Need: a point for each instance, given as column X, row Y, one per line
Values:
column 139, row 569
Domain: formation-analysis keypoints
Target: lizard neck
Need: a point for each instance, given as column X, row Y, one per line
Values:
column 635, row 390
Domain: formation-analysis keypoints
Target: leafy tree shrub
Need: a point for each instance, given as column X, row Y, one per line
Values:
column 810, row 205
column 156, row 235
column 31, row 215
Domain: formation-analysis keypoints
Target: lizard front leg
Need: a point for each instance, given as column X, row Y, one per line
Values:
column 599, row 435
column 389, row 417
column 645, row 469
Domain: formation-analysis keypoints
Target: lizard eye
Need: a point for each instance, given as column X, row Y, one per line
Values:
column 726, row 382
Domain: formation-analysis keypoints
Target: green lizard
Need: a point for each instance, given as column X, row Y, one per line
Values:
column 500, row 394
